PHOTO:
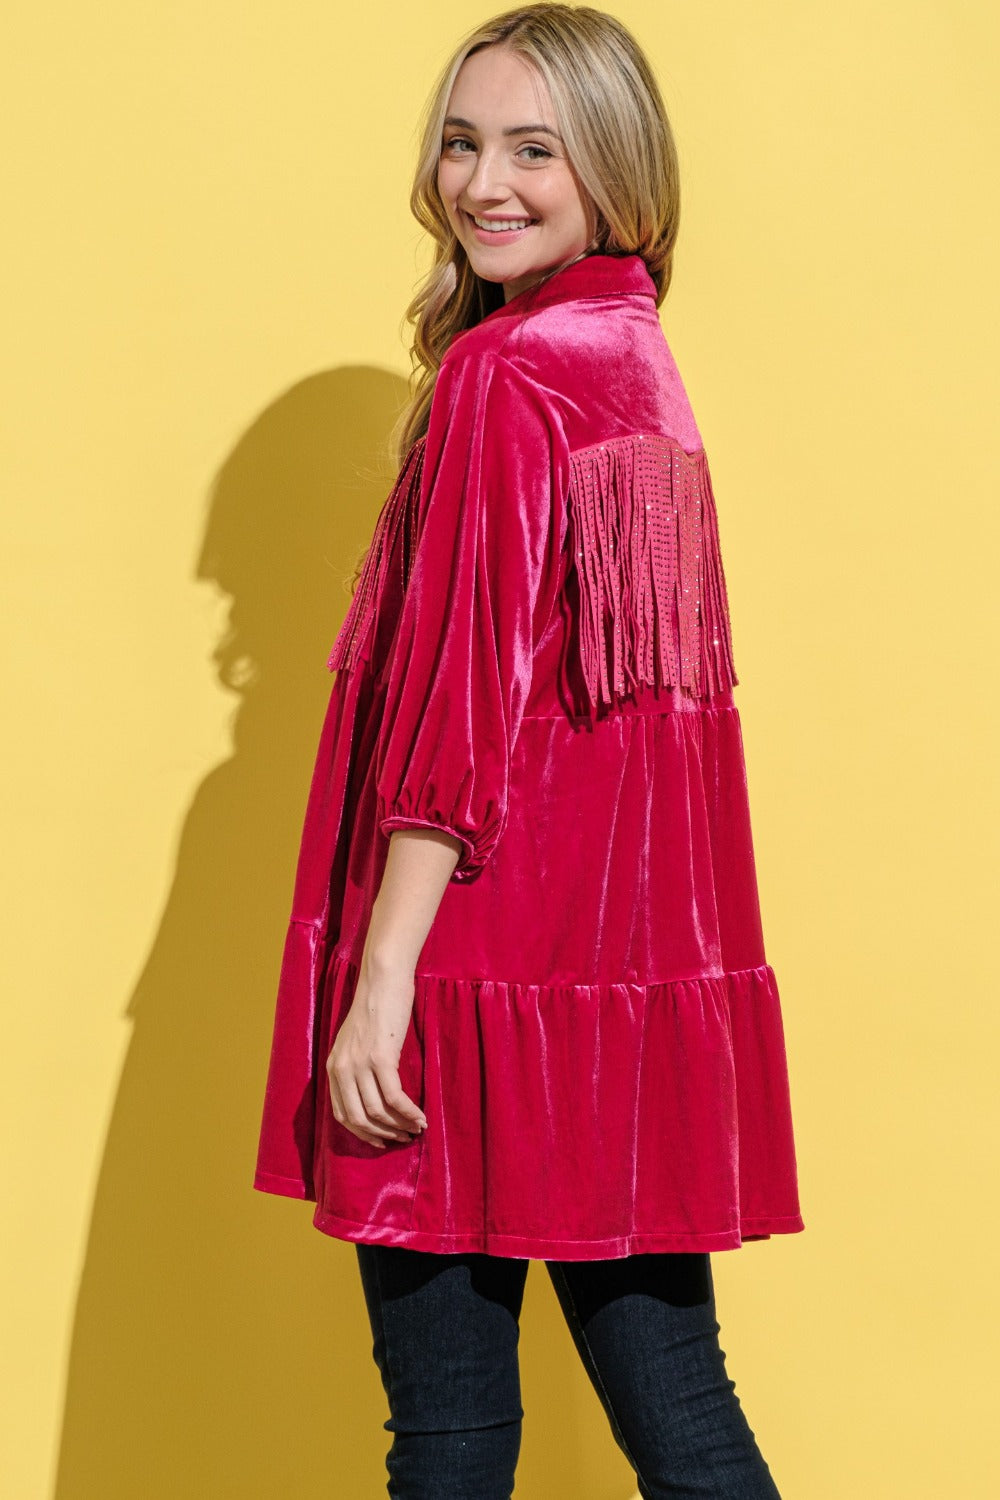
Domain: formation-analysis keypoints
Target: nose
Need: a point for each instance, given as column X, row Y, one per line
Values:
column 488, row 182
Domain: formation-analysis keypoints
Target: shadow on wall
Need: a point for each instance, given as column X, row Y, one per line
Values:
column 220, row 1346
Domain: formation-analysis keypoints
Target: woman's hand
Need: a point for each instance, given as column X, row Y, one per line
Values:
column 363, row 1066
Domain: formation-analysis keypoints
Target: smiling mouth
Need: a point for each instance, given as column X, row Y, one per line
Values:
column 501, row 226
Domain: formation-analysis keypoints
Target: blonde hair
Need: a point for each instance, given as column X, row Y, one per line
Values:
column 618, row 139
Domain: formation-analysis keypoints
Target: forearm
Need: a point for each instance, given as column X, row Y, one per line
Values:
column 418, row 867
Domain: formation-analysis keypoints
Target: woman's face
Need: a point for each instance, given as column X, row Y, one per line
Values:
column 503, row 164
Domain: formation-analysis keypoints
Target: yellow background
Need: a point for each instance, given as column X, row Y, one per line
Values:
column 207, row 256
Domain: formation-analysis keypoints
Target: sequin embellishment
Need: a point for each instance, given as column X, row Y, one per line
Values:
column 654, row 607
column 355, row 633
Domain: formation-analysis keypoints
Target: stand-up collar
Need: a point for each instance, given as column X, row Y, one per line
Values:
column 594, row 276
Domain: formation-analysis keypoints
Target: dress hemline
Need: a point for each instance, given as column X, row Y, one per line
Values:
column 521, row 1247
column 527, row 1247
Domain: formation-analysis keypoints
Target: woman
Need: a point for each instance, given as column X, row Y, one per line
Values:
column 525, row 940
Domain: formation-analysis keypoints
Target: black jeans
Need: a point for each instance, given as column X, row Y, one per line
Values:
column 445, row 1330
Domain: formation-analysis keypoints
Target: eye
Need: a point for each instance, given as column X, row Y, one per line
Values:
column 540, row 153
column 456, row 141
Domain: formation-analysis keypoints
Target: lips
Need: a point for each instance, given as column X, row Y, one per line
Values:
column 500, row 236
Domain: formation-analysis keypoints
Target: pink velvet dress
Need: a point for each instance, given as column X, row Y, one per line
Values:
column 538, row 660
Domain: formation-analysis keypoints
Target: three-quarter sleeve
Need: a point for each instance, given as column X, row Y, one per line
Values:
column 482, row 582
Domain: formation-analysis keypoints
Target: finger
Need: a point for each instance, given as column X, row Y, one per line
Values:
column 353, row 1116
column 354, row 1119
column 340, row 1110
column 397, row 1100
column 336, row 1099
column 357, row 1090
column 376, row 1111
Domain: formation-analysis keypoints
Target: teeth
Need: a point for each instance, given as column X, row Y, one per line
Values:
column 496, row 225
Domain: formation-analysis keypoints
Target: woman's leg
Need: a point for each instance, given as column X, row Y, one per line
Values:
column 445, row 1330
column 646, row 1330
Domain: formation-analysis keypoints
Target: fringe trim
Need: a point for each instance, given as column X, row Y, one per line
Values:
column 653, row 602
column 363, row 609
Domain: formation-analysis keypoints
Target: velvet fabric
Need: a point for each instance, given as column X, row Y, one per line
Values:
column 538, row 660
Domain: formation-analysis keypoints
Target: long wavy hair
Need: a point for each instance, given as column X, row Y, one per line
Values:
column 611, row 116
column 618, row 139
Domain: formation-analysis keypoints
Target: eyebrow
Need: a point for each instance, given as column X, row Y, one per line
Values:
column 512, row 130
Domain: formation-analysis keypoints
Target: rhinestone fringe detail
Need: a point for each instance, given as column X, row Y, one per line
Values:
column 354, row 634
column 653, row 601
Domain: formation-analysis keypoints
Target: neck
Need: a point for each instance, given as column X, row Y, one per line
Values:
column 562, row 266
